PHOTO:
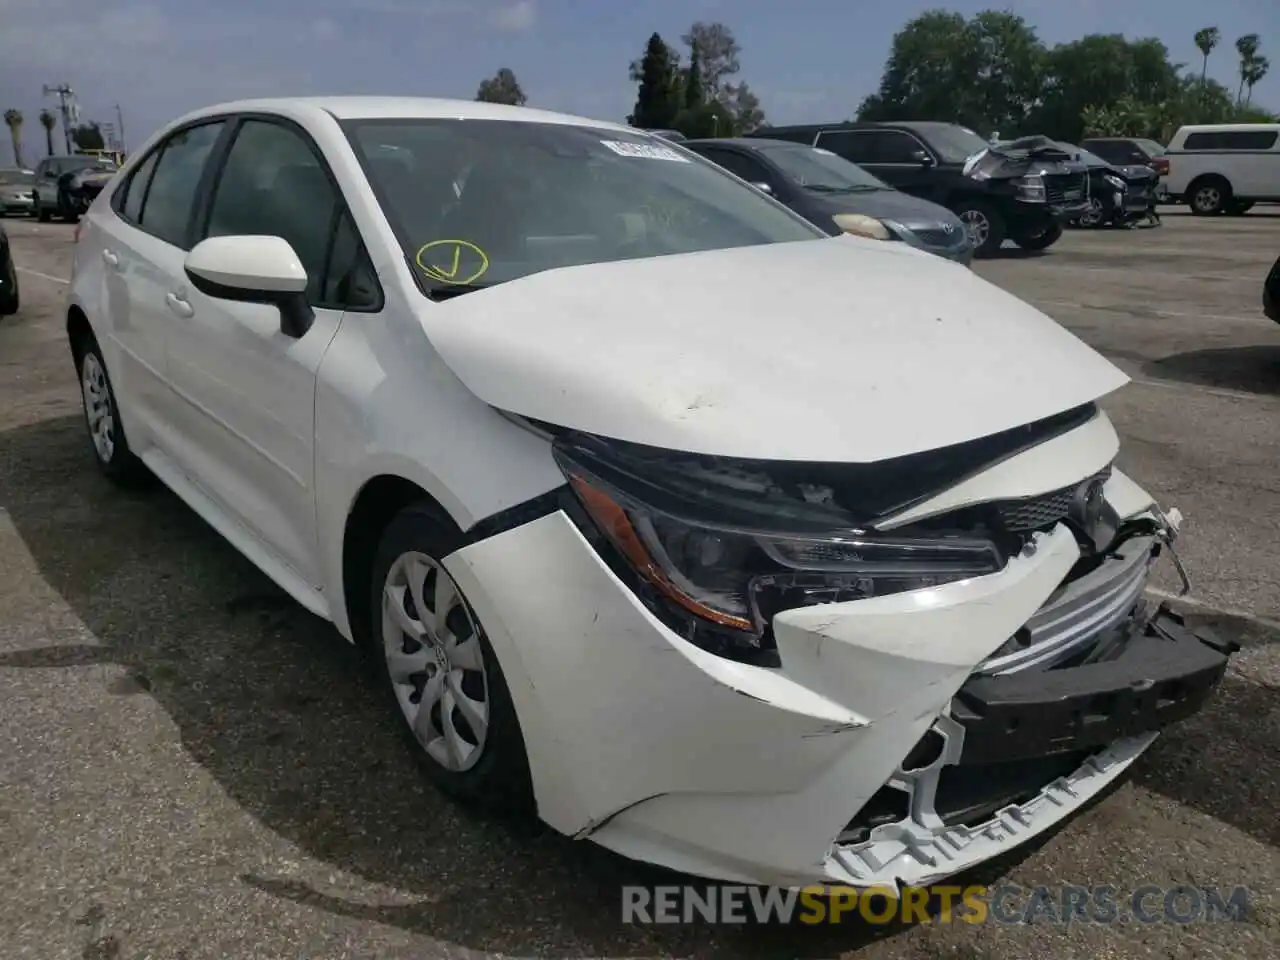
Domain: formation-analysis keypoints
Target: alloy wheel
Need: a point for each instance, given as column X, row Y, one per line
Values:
column 1093, row 215
column 1208, row 198
column 431, row 642
column 98, row 409
column 979, row 227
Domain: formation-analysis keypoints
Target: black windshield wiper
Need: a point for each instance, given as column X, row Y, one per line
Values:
column 448, row 293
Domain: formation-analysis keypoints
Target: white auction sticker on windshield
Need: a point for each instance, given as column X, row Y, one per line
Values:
column 643, row 151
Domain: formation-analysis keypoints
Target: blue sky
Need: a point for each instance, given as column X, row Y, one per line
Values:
column 809, row 60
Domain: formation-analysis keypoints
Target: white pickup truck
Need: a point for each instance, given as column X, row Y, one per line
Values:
column 1225, row 167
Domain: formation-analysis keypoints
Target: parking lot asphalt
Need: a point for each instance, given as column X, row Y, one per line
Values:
column 192, row 767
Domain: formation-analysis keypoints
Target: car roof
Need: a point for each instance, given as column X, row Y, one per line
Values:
column 401, row 108
column 751, row 143
column 1226, row 127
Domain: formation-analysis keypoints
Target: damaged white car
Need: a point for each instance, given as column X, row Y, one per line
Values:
column 735, row 548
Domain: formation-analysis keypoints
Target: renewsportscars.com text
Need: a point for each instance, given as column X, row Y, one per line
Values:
column 1006, row 904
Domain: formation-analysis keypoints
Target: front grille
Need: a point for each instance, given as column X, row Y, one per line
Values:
column 937, row 237
column 1043, row 511
column 1066, row 188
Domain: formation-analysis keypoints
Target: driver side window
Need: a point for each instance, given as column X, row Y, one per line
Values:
column 274, row 183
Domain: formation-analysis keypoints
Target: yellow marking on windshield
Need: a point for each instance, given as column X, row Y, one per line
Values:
column 449, row 274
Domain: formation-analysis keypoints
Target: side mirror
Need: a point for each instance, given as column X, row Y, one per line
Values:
column 923, row 157
column 763, row 187
column 253, row 269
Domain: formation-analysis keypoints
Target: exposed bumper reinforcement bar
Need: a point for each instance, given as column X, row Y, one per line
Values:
column 1162, row 673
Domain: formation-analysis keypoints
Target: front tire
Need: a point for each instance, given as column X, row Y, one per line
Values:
column 43, row 214
column 1040, row 241
column 986, row 227
column 102, row 418
column 1094, row 216
column 9, row 300
column 438, row 672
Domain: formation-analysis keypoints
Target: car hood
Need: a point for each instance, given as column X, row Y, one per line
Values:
column 840, row 350
column 887, row 205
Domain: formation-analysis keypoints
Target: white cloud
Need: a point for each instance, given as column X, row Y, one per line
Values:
column 516, row 17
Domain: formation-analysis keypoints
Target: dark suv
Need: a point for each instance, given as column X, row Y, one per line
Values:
column 66, row 185
column 1021, row 193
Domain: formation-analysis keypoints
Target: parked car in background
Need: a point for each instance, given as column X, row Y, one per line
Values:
column 729, row 545
column 1020, row 195
column 1128, row 152
column 1224, row 168
column 8, row 277
column 17, row 191
column 1119, row 195
column 1271, row 293
column 839, row 196
column 65, row 186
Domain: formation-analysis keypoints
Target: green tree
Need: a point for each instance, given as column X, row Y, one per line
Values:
column 694, row 92
column 1247, row 48
column 1253, row 76
column 1206, row 40
column 88, row 136
column 718, row 54
column 13, row 120
column 502, row 87
column 984, row 73
column 48, row 120
column 657, row 100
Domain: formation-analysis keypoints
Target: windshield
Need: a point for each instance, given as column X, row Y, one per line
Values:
column 1083, row 155
column 19, row 178
column 478, row 202
column 820, row 170
column 88, row 163
column 955, row 144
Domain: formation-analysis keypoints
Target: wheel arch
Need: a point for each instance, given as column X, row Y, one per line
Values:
column 79, row 331
column 376, row 504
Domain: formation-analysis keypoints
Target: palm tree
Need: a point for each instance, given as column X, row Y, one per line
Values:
column 13, row 120
column 48, row 120
column 1254, row 74
column 1247, row 47
column 1206, row 40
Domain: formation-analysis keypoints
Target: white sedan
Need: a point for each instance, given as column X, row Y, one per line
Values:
column 739, row 549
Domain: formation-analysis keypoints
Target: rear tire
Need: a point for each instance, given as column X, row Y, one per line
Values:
column 986, row 227
column 1209, row 196
column 107, row 438
column 441, row 656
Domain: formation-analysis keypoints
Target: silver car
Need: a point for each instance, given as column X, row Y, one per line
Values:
column 17, row 193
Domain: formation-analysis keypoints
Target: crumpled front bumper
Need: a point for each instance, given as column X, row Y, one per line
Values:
column 666, row 753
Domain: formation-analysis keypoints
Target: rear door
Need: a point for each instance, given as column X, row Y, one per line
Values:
column 141, row 244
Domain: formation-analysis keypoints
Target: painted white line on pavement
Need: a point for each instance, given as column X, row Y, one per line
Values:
column 1222, row 392
column 1258, row 320
column 1267, row 622
column 42, row 276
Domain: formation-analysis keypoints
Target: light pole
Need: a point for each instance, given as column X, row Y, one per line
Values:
column 66, row 106
column 120, row 127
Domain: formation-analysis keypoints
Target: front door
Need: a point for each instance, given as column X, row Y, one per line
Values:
column 248, row 389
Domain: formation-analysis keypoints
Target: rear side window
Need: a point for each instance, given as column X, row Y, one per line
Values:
column 1231, row 140
column 858, row 146
column 171, row 197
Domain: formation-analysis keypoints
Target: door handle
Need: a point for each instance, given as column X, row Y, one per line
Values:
column 179, row 305
column 110, row 259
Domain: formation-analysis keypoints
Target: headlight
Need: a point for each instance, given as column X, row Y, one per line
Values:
column 1030, row 188
column 718, row 564
column 862, row 226
column 1115, row 182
